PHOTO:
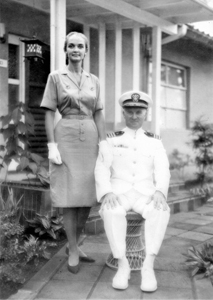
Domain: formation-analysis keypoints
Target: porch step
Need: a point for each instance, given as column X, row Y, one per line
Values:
column 179, row 200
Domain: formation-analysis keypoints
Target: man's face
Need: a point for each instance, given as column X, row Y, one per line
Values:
column 134, row 117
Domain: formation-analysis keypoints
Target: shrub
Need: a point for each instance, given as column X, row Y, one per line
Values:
column 16, row 250
column 16, row 127
column 178, row 161
column 201, row 261
column 202, row 143
column 46, row 225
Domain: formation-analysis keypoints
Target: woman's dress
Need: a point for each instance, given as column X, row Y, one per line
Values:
column 72, row 184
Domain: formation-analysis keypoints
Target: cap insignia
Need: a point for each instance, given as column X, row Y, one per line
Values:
column 135, row 97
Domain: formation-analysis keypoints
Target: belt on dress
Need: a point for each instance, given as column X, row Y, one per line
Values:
column 77, row 117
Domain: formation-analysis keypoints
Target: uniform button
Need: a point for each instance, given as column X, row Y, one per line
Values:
column 133, row 175
column 134, row 162
column 135, row 149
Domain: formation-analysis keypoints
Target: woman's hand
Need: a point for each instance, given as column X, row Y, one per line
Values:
column 54, row 155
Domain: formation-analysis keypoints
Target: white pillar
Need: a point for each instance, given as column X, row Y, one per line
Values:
column 136, row 57
column 118, row 70
column 87, row 57
column 102, row 62
column 57, row 37
column 58, row 33
column 156, row 78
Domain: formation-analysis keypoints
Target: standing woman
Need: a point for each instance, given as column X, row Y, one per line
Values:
column 73, row 144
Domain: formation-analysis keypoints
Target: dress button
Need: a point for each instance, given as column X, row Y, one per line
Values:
column 135, row 149
column 133, row 175
column 134, row 162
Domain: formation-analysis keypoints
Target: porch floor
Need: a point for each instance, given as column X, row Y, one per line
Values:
column 94, row 280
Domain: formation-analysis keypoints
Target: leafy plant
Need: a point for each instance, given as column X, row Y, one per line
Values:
column 206, row 189
column 33, row 249
column 17, row 254
column 44, row 224
column 201, row 261
column 178, row 161
column 10, row 217
column 202, row 143
column 16, row 127
column 15, row 250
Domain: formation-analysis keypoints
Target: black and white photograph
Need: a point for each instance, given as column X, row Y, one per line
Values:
column 106, row 149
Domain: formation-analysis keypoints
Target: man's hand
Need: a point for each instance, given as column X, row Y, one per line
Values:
column 110, row 200
column 159, row 200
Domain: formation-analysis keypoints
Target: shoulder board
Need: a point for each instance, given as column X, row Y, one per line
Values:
column 150, row 134
column 115, row 134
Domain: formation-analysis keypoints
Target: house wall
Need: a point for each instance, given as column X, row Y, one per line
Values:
column 199, row 61
column 25, row 21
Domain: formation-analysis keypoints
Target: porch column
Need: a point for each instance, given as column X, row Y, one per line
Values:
column 57, row 38
column 57, row 33
column 156, row 78
column 87, row 57
column 118, row 70
column 102, row 62
column 136, row 57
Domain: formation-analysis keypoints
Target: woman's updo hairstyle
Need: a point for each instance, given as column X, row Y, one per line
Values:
column 76, row 33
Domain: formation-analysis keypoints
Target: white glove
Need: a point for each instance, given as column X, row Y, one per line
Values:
column 54, row 155
column 106, row 153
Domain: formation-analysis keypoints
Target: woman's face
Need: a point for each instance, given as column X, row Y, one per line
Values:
column 76, row 48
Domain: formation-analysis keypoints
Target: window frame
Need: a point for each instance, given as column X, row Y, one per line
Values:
column 20, row 82
column 175, row 87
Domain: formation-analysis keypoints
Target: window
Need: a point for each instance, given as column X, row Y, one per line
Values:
column 173, row 95
column 16, row 70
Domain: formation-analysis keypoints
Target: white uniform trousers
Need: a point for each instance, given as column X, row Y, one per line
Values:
column 115, row 223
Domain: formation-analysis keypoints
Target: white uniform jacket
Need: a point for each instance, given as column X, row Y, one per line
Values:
column 138, row 161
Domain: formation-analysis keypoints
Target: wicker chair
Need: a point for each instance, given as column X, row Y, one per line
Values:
column 135, row 249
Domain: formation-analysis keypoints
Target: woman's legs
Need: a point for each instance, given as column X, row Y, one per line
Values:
column 74, row 222
column 70, row 225
column 83, row 213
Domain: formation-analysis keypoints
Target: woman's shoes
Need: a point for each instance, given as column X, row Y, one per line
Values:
column 83, row 258
column 73, row 269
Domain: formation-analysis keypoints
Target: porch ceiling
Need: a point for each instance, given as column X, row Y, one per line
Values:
column 164, row 13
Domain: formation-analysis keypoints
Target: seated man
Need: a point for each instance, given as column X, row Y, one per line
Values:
column 136, row 178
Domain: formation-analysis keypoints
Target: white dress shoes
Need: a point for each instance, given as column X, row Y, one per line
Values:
column 120, row 281
column 149, row 282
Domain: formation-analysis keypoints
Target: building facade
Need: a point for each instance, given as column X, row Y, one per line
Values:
column 175, row 69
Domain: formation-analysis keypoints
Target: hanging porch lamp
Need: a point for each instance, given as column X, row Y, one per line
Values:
column 33, row 49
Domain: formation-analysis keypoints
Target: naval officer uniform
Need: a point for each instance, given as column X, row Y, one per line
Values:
column 138, row 168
